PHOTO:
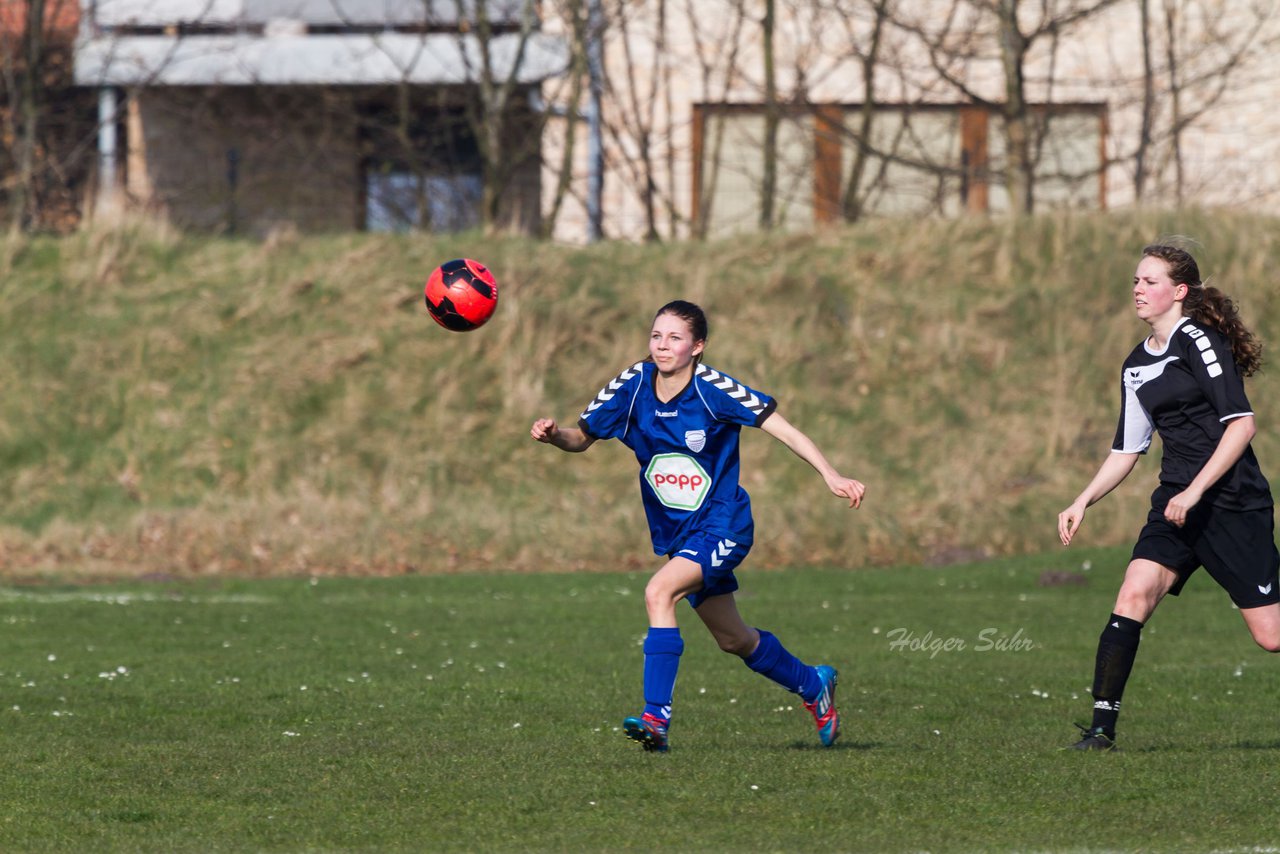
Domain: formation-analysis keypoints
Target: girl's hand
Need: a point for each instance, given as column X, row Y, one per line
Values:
column 544, row 430
column 847, row 487
column 1069, row 522
column 1180, row 505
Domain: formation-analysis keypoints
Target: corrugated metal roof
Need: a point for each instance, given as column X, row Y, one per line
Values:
column 163, row 13
column 247, row 60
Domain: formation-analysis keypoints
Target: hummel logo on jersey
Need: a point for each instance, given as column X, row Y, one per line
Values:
column 674, row 413
column 1264, row 590
column 723, row 550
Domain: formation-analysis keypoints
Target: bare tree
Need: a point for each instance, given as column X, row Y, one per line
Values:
column 420, row 128
column 576, row 12
column 851, row 199
column 1201, row 71
column 643, row 97
column 780, row 114
column 1143, row 148
column 490, row 113
column 635, row 97
column 961, row 39
column 44, row 144
column 27, row 113
column 718, row 74
column 1014, row 44
column 503, row 110
column 1195, row 54
column 769, row 149
column 1176, row 119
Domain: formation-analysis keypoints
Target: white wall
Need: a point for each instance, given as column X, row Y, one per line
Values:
column 1230, row 148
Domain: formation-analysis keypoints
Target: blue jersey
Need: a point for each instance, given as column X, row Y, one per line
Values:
column 687, row 448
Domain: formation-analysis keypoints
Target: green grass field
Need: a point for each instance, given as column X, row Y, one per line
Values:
column 481, row 713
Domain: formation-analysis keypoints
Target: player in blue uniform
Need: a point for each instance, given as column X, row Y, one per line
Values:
column 682, row 419
column 1213, row 507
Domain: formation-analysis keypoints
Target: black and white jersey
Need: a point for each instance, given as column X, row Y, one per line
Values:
column 1187, row 393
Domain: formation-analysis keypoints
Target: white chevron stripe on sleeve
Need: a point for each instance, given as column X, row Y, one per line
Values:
column 611, row 388
column 732, row 388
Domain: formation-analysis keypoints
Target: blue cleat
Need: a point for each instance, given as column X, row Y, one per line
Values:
column 823, row 708
column 650, row 731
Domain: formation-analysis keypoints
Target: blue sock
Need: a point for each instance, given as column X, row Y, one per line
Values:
column 662, row 649
column 771, row 659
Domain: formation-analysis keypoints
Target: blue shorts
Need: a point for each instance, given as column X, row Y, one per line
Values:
column 719, row 557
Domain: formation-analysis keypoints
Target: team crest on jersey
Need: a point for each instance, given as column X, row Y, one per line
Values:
column 678, row 481
column 695, row 440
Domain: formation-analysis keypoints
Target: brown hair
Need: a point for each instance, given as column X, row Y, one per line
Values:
column 1208, row 306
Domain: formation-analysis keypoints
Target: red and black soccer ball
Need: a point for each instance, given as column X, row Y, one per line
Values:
column 461, row 294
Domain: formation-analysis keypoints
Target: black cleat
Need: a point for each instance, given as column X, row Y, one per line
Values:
column 1094, row 738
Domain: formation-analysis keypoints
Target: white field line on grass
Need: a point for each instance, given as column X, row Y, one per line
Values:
column 61, row 597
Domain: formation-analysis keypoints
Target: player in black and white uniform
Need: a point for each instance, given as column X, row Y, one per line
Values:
column 1213, row 507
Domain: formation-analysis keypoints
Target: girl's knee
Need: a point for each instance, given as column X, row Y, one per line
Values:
column 1130, row 605
column 1269, row 642
column 738, row 642
column 739, row 645
column 1137, row 603
column 658, row 597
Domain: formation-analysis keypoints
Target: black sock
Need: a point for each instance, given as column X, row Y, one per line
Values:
column 1117, row 647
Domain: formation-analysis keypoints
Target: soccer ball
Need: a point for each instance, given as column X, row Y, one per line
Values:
column 461, row 294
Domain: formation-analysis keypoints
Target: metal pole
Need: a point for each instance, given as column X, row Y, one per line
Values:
column 108, row 163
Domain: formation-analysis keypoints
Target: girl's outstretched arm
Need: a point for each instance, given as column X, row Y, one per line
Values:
column 570, row 439
column 1114, row 469
column 804, row 448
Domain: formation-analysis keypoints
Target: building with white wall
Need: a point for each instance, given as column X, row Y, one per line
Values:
column 231, row 112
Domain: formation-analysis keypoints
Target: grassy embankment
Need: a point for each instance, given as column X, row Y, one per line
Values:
column 174, row 405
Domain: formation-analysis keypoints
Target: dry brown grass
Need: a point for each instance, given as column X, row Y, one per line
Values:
column 181, row 406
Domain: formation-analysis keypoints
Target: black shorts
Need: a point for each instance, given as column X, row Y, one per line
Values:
column 1237, row 547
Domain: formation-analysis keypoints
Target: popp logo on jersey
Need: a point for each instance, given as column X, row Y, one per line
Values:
column 678, row 481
